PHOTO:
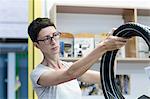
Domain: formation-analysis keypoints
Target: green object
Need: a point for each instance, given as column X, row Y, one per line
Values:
column 19, row 56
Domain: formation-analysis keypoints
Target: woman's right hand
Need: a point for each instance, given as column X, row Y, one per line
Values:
column 113, row 43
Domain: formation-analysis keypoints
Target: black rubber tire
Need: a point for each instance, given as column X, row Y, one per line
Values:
column 109, row 86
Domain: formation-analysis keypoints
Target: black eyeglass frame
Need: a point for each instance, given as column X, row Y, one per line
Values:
column 50, row 37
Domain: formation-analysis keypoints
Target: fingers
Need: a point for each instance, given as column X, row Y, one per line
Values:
column 120, row 44
column 114, row 42
column 115, row 37
column 120, row 39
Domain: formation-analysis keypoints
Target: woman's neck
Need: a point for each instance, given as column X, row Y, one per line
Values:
column 53, row 62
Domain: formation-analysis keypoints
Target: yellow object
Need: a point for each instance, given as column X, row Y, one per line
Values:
column 84, row 35
column 101, row 35
column 34, row 55
column 66, row 35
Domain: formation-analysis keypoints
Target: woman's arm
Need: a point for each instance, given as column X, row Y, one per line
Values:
column 78, row 68
column 90, row 77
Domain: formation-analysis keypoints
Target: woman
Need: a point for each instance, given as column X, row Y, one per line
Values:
column 56, row 79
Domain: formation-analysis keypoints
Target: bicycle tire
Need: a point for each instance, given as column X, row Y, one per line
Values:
column 128, row 30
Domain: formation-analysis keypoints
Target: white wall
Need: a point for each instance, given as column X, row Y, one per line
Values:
column 13, row 18
column 145, row 20
column 87, row 23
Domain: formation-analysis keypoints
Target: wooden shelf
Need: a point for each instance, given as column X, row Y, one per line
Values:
column 90, row 10
column 143, row 12
column 136, row 60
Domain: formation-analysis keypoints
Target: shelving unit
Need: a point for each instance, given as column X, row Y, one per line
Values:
column 64, row 16
column 126, row 14
column 133, row 60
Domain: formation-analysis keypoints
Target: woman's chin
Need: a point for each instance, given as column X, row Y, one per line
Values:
column 55, row 51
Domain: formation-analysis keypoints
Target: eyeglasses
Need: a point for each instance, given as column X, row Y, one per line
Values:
column 49, row 39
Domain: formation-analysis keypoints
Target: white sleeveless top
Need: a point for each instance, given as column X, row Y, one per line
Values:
column 67, row 90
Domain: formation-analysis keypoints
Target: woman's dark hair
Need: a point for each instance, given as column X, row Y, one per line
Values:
column 36, row 26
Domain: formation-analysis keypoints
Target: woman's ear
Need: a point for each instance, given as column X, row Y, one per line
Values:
column 36, row 44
